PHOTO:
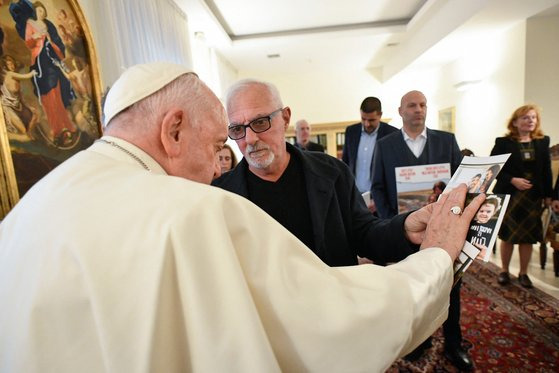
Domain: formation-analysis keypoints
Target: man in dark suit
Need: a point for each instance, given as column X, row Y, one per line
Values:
column 414, row 145
column 303, row 134
column 360, row 139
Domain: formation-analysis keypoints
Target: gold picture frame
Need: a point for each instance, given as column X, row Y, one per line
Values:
column 447, row 119
column 50, row 91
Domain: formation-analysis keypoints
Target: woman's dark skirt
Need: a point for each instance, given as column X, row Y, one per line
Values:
column 522, row 222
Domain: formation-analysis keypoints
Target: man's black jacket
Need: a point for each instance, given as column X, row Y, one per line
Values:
column 342, row 225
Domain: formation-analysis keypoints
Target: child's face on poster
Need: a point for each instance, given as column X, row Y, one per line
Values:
column 485, row 213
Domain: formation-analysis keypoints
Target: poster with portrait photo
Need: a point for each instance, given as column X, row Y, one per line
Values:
column 417, row 186
column 487, row 221
column 483, row 230
column 478, row 173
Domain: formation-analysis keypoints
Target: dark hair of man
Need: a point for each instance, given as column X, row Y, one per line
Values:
column 371, row 104
column 467, row 152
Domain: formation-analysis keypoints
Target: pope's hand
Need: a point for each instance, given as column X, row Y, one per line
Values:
column 435, row 225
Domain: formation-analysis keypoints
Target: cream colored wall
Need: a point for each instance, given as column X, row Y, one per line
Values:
column 322, row 97
column 518, row 66
column 481, row 111
column 542, row 71
column 227, row 75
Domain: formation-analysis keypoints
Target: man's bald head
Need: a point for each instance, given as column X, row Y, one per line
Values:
column 411, row 95
column 413, row 110
column 302, row 132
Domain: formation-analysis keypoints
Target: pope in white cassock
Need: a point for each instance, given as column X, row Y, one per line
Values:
column 122, row 259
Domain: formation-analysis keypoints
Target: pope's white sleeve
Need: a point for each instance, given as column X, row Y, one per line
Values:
column 318, row 318
column 429, row 274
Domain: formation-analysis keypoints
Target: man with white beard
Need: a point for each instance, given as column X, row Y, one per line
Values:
column 311, row 194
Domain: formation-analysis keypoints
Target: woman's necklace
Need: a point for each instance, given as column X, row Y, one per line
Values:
column 134, row 156
column 526, row 149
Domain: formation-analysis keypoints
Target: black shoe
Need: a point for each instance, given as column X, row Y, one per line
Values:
column 504, row 278
column 419, row 350
column 459, row 358
column 525, row 281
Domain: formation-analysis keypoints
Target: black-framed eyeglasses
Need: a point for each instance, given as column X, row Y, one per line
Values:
column 258, row 125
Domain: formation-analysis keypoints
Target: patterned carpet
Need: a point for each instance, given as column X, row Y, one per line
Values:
column 505, row 329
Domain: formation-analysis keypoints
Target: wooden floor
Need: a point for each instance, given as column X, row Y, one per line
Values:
column 543, row 279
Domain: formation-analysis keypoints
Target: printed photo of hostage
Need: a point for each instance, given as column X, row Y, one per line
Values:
column 483, row 226
column 490, row 175
column 438, row 188
column 474, row 184
column 482, row 232
column 478, row 173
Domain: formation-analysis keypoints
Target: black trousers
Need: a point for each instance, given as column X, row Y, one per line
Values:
column 451, row 327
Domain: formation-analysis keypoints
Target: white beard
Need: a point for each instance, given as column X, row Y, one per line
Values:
column 259, row 163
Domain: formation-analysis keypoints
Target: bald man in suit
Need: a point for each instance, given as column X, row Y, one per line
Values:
column 415, row 145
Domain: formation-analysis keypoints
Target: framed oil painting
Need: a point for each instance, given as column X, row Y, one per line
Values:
column 447, row 119
column 49, row 92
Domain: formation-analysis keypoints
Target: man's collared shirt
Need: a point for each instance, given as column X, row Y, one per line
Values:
column 418, row 144
column 364, row 158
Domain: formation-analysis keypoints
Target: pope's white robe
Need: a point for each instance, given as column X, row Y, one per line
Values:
column 106, row 267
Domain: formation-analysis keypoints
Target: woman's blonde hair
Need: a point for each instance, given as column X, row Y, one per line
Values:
column 537, row 133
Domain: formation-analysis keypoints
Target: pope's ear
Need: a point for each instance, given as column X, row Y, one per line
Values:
column 173, row 126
